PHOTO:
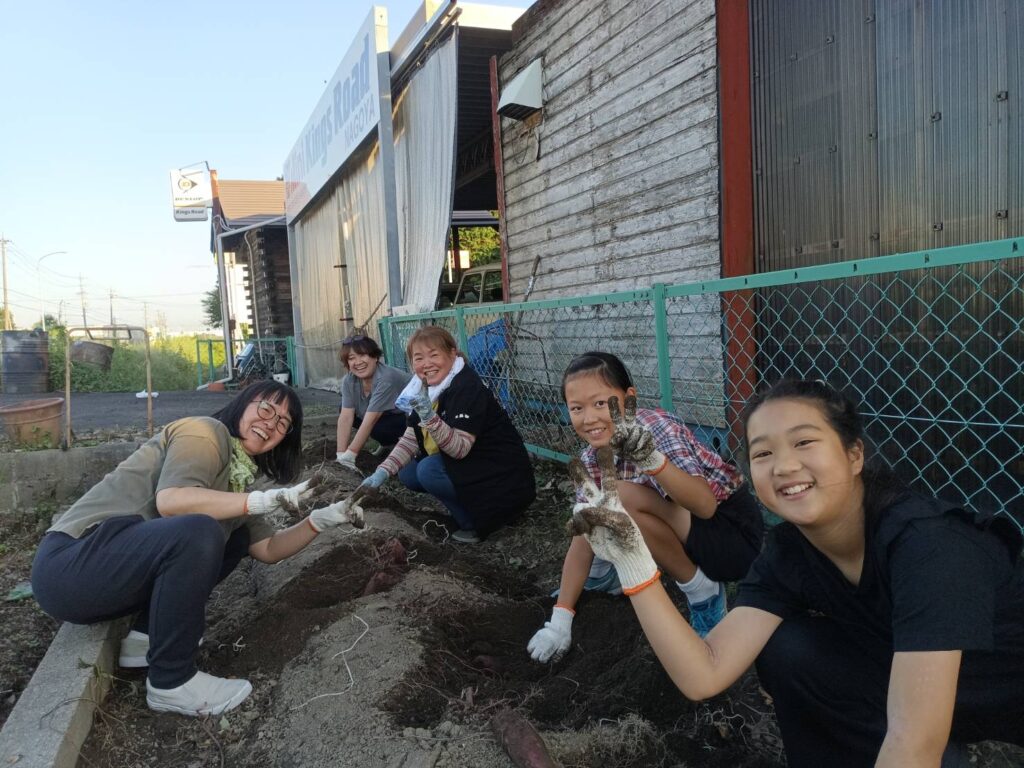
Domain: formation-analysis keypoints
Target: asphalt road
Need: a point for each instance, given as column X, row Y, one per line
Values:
column 91, row 411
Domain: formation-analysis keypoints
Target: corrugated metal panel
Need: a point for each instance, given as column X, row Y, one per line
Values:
column 944, row 102
column 814, row 122
column 885, row 126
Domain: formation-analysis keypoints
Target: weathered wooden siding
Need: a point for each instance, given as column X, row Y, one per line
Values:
column 269, row 284
column 614, row 184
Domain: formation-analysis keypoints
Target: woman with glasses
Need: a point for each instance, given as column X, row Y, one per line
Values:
column 159, row 532
column 368, row 394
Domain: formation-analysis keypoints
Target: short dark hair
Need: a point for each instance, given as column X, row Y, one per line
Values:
column 606, row 365
column 882, row 487
column 284, row 462
column 361, row 345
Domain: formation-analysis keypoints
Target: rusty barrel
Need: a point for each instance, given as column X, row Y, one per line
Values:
column 34, row 423
column 25, row 361
column 92, row 353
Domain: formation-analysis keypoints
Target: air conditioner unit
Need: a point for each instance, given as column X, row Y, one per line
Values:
column 522, row 96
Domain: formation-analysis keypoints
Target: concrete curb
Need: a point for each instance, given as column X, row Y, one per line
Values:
column 53, row 716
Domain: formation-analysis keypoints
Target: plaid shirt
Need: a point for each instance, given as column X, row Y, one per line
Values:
column 676, row 441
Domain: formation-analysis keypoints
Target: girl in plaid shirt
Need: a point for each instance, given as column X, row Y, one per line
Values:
column 695, row 511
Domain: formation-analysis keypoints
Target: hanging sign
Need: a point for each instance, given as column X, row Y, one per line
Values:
column 190, row 194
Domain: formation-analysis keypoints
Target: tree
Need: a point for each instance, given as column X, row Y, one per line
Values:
column 51, row 323
column 2, row 316
column 483, row 244
column 211, row 307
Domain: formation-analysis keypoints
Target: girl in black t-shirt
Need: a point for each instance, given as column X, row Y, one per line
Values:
column 884, row 624
column 460, row 446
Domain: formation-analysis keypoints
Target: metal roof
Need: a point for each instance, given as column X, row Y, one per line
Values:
column 245, row 203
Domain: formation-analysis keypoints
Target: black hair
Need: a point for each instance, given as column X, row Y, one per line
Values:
column 606, row 365
column 284, row 462
column 882, row 487
column 361, row 345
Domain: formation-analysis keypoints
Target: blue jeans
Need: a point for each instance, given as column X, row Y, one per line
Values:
column 164, row 568
column 428, row 476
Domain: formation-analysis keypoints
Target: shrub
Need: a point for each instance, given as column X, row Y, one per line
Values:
column 171, row 360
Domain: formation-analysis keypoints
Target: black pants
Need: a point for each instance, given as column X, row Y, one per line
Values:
column 163, row 569
column 830, row 688
column 388, row 430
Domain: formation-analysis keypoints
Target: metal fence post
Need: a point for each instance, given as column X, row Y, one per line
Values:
column 384, row 326
column 460, row 321
column 199, row 366
column 289, row 344
column 661, row 341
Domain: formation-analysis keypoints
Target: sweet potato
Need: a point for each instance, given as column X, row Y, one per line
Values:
column 521, row 741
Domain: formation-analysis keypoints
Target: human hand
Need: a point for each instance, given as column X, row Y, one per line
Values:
column 421, row 402
column 607, row 527
column 346, row 511
column 376, row 480
column 553, row 639
column 631, row 441
column 347, row 459
column 276, row 499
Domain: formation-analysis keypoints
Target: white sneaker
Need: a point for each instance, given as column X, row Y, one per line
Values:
column 202, row 695
column 134, row 648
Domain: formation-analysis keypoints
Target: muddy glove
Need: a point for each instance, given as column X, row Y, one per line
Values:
column 554, row 638
column 610, row 531
column 276, row 499
column 347, row 511
column 376, row 480
column 421, row 402
column 631, row 441
column 347, row 459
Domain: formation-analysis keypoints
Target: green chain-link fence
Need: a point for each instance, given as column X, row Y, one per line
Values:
column 930, row 343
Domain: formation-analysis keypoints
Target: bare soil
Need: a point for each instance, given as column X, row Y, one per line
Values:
column 27, row 631
column 395, row 647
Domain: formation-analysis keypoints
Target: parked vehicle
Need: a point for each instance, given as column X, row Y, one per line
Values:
column 479, row 285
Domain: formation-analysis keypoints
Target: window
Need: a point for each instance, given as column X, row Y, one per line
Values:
column 492, row 285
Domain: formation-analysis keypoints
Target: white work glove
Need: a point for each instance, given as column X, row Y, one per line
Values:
column 604, row 523
column 348, row 459
column 276, row 499
column 347, row 511
column 631, row 441
column 554, row 638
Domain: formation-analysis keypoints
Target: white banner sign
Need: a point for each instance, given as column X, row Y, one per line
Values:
column 346, row 113
column 190, row 194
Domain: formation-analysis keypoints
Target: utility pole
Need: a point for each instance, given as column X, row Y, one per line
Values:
column 7, row 305
column 145, row 315
column 81, row 294
column 111, row 306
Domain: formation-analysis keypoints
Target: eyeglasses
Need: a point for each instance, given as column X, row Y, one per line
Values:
column 353, row 337
column 266, row 412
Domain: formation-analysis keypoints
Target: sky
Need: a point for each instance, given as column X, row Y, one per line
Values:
column 100, row 100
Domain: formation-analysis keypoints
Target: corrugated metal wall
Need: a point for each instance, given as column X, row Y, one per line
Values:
column 887, row 126
column 884, row 126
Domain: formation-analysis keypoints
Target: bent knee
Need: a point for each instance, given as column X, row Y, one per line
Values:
column 199, row 535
